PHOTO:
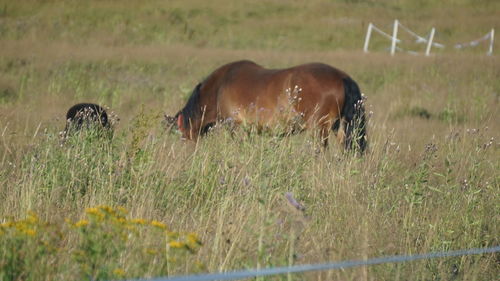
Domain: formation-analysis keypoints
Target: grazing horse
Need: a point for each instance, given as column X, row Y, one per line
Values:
column 85, row 115
column 313, row 95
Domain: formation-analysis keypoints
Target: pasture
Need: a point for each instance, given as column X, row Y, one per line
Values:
column 147, row 204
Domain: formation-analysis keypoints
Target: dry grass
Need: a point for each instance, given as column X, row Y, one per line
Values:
column 429, row 181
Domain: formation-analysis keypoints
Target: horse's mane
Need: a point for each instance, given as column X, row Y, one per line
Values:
column 192, row 110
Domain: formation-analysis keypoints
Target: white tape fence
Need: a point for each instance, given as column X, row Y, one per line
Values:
column 252, row 273
column 428, row 40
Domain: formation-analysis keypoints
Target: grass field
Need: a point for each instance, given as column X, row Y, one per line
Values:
column 138, row 205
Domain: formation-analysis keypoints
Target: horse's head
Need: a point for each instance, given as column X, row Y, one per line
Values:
column 176, row 122
column 189, row 119
column 189, row 128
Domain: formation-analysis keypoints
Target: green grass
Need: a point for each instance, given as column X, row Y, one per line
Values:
column 429, row 181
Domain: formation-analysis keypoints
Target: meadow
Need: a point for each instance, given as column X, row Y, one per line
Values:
column 146, row 204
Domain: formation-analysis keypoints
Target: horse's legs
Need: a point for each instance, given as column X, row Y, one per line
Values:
column 324, row 124
column 324, row 134
column 340, row 131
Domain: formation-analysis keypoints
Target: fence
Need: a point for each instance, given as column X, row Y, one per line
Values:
column 238, row 275
column 428, row 40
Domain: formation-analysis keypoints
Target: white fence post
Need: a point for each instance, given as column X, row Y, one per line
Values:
column 394, row 37
column 492, row 37
column 429, row 42
column 367, row 39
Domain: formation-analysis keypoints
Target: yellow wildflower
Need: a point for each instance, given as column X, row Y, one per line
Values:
column 158, row 224
column 119, row 272
column 95, row 212
column 30, row 232
column 81, row 223
column 176, row 244
column 122, row 210
column 32, row 218
column 92, row 211
column 138, row 221
column 192, row 239
column 107, row 209
column 20, row 226
column 7, row 224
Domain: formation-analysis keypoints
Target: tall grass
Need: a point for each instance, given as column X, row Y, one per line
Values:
column 428, row 182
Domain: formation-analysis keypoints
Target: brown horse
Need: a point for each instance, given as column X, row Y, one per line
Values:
column 311, row 95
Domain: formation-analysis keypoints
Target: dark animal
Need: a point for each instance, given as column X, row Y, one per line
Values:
column 313, row 95
column 85, row 115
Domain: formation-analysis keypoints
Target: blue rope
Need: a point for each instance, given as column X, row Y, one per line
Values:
column 236, row 275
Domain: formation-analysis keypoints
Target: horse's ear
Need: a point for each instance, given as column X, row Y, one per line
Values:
column 169, row 119
column 170, row 122
column 198, row 87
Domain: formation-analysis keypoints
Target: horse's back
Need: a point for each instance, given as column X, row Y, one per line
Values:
column 321, row 91
column 245, row 93
column 252, row 93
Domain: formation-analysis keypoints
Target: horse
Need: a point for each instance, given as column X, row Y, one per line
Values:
column 84, row 116
column 313, row 95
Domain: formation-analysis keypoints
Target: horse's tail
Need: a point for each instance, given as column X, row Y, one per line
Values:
column 353, row 113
